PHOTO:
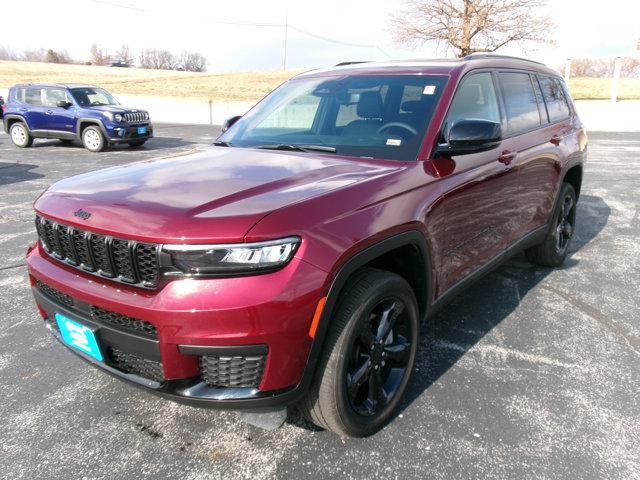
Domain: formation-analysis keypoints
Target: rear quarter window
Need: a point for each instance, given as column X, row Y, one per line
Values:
column 555, row 99
column 520, row 102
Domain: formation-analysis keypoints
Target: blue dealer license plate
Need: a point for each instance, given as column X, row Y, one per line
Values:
column 142, row 130
column 78, row 336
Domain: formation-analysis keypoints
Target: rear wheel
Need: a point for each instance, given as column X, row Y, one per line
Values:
column 555, row 247
column 137, row 143
column 20, row 135
column 93, row 139
column 369, row 353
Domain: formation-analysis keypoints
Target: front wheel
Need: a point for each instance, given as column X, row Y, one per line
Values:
column 555, row 247
column 20, row 135
column 93, row 139
column 368, row 356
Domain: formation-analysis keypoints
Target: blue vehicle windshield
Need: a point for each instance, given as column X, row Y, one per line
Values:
column 377, row 116
column 93, row 97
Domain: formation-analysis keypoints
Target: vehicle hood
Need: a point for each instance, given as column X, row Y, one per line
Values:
column 216, row 194
column 113, row 108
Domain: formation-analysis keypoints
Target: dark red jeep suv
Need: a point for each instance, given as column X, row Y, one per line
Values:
column 295, row 259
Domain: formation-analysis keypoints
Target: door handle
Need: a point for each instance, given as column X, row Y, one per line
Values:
column 506, row 157
column 49, row 112
column 556, row 139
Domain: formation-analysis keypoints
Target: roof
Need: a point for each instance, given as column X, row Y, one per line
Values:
column 442, row 66
column 63, row 85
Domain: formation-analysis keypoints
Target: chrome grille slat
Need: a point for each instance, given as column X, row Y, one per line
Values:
column 136, row 117
column 121, row 260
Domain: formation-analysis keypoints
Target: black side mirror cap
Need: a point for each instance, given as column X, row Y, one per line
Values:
column 471, row 136
column 63, row 104
column 228, row 123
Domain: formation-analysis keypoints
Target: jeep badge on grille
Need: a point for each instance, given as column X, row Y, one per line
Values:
column 82, row 214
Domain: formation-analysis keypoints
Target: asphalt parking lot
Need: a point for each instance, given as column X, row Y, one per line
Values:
column 532, row 373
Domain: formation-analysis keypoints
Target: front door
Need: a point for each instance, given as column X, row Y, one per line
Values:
column 57, row 118
column 481, row 192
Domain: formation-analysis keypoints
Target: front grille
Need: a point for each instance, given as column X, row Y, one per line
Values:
column 122, row 322
column 54, row 294
column 232, row 371
column 126, row 261
column 131, row 363
column 136, row 117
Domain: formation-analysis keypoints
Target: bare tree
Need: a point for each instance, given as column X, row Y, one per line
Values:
column 469, row 26
column 124, row 55
column 36, row 55
column 99, row 56
column 7, row 54
column 192, row 62
column 157, row 59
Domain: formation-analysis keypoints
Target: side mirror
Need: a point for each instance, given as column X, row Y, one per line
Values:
column 228, row 123
column 471, row 136
column 63, row 104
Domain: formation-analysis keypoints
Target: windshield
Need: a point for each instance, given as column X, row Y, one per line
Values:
column 91, row 96
column 361, row 115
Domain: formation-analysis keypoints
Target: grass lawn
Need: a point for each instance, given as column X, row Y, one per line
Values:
column 243, row 86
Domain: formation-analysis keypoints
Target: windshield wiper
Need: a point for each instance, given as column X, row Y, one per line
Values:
column 298, row 148
column 222, row 143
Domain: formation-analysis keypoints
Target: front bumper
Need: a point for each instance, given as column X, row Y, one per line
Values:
column 196, row 319
column 123, row 133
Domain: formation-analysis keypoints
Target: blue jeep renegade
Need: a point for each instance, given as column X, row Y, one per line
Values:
column 70, row 112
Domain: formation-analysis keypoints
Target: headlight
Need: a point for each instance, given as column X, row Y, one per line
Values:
column 232, row 258
column 118, row 117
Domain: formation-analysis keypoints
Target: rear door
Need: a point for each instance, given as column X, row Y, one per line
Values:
column 32, row 108
column 58, row 118
column 481, row 192
column 535, row 158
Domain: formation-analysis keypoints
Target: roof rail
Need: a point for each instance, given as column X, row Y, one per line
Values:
column 342, row 64
column 477, row 55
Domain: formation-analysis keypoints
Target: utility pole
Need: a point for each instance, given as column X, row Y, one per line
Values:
column 286, row 34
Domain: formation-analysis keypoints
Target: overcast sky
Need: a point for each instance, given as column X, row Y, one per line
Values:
column 318, row 35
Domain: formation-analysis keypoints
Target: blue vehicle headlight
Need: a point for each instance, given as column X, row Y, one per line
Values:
column 118, row 117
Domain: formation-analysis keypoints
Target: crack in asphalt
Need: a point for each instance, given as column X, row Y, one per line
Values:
column 632, row 340
column 8, row 267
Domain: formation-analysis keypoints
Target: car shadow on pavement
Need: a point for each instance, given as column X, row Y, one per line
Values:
column 17, row 172
column 461, row 324
column 156, row 143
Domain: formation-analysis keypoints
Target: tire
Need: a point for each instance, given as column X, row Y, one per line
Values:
column 65, row 141
column 555, row 247
column 137, row 143
column 20, row 135
column 340, row 398
column 93, row 139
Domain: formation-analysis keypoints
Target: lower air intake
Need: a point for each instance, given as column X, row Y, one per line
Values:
column 232, row 371
column 131, row 363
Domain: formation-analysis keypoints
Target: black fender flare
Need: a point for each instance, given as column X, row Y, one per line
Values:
column 14, row 116
column 93, row 121
column 354, row 263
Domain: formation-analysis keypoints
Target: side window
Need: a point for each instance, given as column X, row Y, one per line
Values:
column 54, row 95
column 520, row 102
column 475, row 99
column 32, row 96
column 554, row 97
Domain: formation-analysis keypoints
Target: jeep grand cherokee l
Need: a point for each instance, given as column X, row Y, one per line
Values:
column 69, row 112
column 295, row 260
